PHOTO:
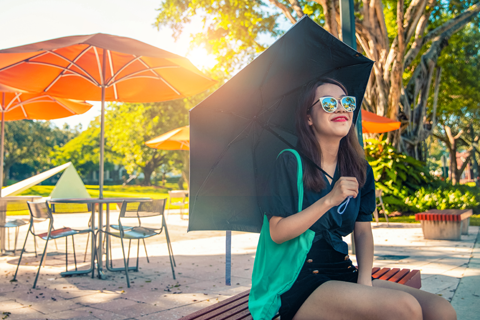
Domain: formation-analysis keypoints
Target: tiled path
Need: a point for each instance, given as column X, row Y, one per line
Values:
column 200, row 274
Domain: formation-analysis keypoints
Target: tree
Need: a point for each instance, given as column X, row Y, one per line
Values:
column 459, row 98
column 84, row 151
column 130, row 125
column 28, row 145
column 404, row 38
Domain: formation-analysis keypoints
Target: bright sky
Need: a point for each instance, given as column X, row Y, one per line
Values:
column 27, row 21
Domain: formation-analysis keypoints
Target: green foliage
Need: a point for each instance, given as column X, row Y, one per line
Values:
column 449, row 197
column 28, row 145
column 408, row 187
column 396, row 174
column 130, row 125
column 84, row 151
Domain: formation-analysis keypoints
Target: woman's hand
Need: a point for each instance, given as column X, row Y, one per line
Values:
column 343, row 188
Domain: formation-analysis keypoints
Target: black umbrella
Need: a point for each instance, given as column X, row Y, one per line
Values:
column 238, row 131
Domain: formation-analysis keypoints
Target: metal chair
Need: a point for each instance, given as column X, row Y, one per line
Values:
column 40, row 210
column 139, row 210
column 378, row 195
column 179, row 194
column 12, row 206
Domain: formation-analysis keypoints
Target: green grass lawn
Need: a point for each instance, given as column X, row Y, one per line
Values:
column 108, row 192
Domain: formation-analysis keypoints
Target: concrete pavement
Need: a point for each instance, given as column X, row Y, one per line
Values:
column 450, row 269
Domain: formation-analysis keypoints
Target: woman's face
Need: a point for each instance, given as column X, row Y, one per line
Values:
column 330, row 125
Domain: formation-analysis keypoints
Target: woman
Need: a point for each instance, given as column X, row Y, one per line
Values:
column 339, row 198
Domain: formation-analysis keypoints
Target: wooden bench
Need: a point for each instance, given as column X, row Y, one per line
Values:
column 444, row 224
column 236, row 307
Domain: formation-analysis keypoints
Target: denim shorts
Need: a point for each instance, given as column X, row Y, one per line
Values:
column 322, row 264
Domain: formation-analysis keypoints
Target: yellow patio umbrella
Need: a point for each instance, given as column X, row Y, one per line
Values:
column 177, row 139
column 20, row 105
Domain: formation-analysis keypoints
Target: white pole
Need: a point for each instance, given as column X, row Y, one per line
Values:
column 102, row 128
column 2, row 143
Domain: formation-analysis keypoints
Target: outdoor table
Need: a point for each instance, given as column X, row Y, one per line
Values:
column 3, row 214
column 447, row 224
column 98, row 250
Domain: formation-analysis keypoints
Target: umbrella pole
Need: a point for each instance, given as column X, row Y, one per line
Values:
column 102, row 129
column 2, row 143
column 228, row 258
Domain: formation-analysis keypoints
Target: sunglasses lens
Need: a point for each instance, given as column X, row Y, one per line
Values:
column 329, row 104
column 349, row 103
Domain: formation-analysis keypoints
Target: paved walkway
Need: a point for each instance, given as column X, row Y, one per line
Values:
column 450, row 269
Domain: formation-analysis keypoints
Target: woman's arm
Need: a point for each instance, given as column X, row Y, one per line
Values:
column 284, row 229
column 364, row 248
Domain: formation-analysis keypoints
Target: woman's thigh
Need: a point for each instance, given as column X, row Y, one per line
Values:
column 433, row 306
column 344, row 300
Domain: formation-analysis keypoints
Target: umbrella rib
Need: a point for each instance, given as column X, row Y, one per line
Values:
column 67, row 68
column 109, row 55
column 73, row 63
column 74, row 73
column 16, row 98
column 22, row 61
column 161, row 78
column 121, row 69
column 102, row 81
column 132, row 76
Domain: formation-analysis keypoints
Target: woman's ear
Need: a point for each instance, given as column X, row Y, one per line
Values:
column 309, row 120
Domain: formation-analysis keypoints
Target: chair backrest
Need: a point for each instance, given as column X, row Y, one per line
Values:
column 378, row 193
column 40, row 210
column 142, row 209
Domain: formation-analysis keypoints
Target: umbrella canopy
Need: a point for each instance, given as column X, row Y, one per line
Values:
column 177, row 139
column 15, row 105
column 37, row 106
column 78, row 67
column 371, row 123
column 238, row 131
column 101, row 67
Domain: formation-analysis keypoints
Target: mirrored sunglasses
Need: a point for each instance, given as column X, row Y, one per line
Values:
column 330, row 104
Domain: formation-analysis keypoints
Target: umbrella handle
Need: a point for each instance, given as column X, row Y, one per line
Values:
column 343, row 206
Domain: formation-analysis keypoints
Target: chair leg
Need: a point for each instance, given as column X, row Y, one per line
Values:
column 138, row 252
column 86, row 249
column 128, row 257
column 34, row 241
column 170, row 253
column 145, row 247
column 125, row 263
column 21, row 255
column 17, row 231
column 66, row 253
column 111, row 256
column 56, row 247
column 169, row 244
column 41, row 262
column 375, row 213
column 74, row 254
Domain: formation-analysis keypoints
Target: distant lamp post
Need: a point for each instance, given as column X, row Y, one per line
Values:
column 444, row 166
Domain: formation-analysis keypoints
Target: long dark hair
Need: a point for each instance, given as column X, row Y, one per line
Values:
column 351, row 158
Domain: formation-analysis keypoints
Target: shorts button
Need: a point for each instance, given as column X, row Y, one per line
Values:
column 315, row 271
column 309, row 261
column 347, row 257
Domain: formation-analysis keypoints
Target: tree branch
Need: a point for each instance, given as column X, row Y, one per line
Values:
column 298, row 9
column 285, row 10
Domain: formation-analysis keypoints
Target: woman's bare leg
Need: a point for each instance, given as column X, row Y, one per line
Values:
column 433, row 306
column 335, row 300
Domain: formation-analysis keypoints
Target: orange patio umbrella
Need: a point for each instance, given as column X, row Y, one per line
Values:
column 101, row 67
column 177, row 139
column 17, row 105
column 371, row 123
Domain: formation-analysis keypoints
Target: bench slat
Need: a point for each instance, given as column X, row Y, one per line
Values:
column 380, row 273
column 389, row 274
column 236, row 307
column 199, row 313
column 412, row 279
column 397, row 277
